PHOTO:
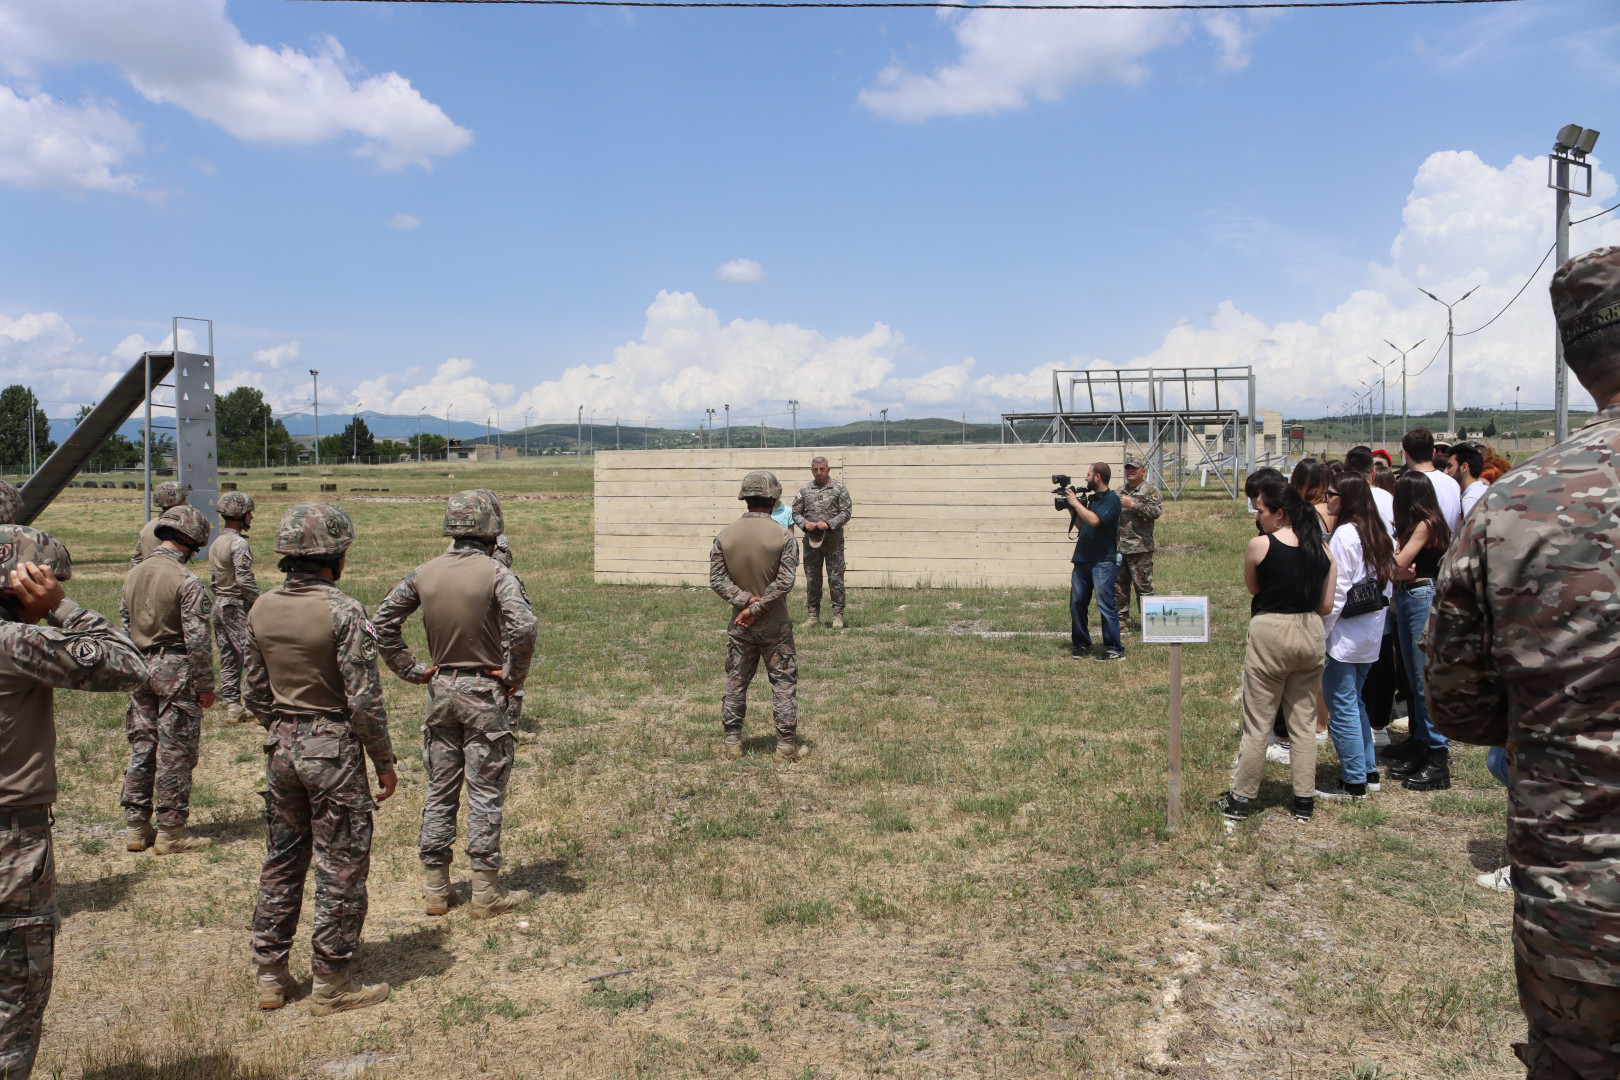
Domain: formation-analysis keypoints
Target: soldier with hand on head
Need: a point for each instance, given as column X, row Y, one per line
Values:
column 751, row 567
column 165, row 496
column 480, row 634
column 230, row 564
column 165, row 612
column 822, row 509
column 1521, row 649
column 76, row 650
column 312, row 682
column 1140, row 506
column 10, row 503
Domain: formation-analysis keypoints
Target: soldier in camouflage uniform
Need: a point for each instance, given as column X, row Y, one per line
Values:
column 1140, row 506
column 751, row 567
column 480, row 634
column 165, row 612
column 77, row 650
column 230, row 564
column 10, row 503
column 166, row 495
column 311, row 676
column 501, row 552
column 1521, row 649
column 822, row 509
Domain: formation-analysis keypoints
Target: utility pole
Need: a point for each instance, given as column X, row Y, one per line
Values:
column 728, row 427
column 419, row 413
column 615, row 431
column 525, row 434
column 266, row 435
column 30, row 431
column 1515, row 425
column 1403, row 353
column 1451, row 355
column 885, row 426
column 709, row 442
column 762, row 433
column 316, row 377
column 1570, row 148
column 579, row 437
column 447, row 433
column 964, row 428
column 793, row 407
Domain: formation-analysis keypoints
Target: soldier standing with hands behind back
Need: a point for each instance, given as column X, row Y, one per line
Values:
column 822, row 510
column 230, row 565
column 312, row 681
column 165, row 612
column 1140, row 506
column 481, row 636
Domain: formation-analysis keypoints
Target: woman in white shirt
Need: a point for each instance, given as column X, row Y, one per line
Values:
column 1362, row 550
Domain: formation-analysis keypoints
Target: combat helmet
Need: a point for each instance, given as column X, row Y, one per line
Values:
column 188, row 521
column 235, row 504
column 315, row 530
column 473, row 513
column 760, row 484
column 167, row 494
column 502, row 552
column 20, row 544
column 10, row 504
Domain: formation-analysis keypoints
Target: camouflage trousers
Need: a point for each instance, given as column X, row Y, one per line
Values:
column 164, row 726
column 1574, row 1027
column 317, row 802
column 1135, row 569
column 231, row 631
column 28, row 922
column 831, row 555
column 744, row 650
column 466, row 739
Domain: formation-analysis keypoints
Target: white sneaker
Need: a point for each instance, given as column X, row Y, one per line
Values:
column 1500, row 880
column 1400, row 724
column 1321, row 738
column 1278, row 752
column 1380, row 738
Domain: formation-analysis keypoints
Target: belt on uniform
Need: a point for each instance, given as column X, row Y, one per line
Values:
column 25, row 819
column 296, row 717
column 1417, row 583
column 165, row 650
column 466, row 669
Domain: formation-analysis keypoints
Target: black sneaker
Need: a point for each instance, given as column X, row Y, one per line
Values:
column 1373, row 783
column 1434, row 774
column 1232, row 807
column 1111, row 654
column 1343, row 792
column 1304, row 808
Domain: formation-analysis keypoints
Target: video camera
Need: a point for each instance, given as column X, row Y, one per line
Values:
column 1065, row 484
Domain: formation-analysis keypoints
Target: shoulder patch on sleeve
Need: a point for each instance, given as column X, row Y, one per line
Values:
column 207, row 602
column 86, row 651
column 368, row 640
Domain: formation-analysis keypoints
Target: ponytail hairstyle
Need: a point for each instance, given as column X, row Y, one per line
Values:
column 1356, row 507
column 1415, row 503
column 1278, row 494
column 1311, row 479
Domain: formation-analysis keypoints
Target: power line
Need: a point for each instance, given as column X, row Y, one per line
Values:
column 1516, row 295
column 1260, row 5
column 1599, row 214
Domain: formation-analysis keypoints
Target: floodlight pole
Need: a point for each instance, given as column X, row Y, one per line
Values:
column 579, row 437
column 710, row 440
column 1570, row 147
column 1383, row 405
column 1515, row 425
column 315, row 377
column 1403, row 353
column 419, row 413
column 447, row 433
column 728, row 427
column 885, row 413
column 793, row 407
column 1451, row 355
column 525, row 434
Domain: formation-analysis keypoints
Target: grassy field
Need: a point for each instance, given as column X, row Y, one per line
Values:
column 970, row 876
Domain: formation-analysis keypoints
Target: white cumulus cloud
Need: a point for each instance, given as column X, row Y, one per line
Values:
column 403, row 222
column 189, row 54
column 276, row 355
column 45, row 143
column 742, row 272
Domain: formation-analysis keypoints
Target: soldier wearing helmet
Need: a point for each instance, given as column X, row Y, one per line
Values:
column 230, row 566
column 10, row 503
column 165, row 612
column 77, row 649
column 751, row 567
column 168, row 494
column 501, row 552
column 480, row 635
column 311, row 677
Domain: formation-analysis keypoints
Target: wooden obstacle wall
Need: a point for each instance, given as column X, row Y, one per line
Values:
column 924, row 515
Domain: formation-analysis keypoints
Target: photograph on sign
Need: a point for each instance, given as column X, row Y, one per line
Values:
column 1170, row 620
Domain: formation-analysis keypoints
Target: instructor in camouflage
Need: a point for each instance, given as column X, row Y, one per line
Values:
column 165, row 496
column 480, row 634
column 1140, row 506
column 76, row 650
column 165, row 612
column 822, row 509
column 312, row 681
column 751, row 567
column 230, row 565
column 1523, row 648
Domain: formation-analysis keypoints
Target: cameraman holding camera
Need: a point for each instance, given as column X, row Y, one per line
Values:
column 1096, row 560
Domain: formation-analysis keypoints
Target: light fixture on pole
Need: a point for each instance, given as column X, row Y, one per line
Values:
column 710, row 414
column 447, row 433
column 579, row 436
column 1403, row 353
column 1569, row 151
column 1451, row 354
column 354, row 428
column 525, row 433
column 316, row 377
column 793, row 407
column 419, row 413
column 728, row 427
column 1383, row 403
column 885, row 413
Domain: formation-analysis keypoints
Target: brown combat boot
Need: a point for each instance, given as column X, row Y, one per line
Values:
column 339, row 993
column 731, row 745
column 177, row 841
column 138, row 835
column 838, row 622
column 441, row 897
column 490, row 898
column 237, row 714
column 276, row 985
column 788, row 751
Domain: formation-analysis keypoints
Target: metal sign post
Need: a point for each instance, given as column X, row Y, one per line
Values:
column 1172, row 620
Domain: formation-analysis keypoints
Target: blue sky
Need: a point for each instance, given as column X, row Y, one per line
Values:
column 515, row 208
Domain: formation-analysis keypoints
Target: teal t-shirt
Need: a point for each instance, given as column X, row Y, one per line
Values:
column 783, row 515
column 1099, row 542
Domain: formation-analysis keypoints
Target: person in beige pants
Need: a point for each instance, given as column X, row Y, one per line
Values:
column 1290, row 573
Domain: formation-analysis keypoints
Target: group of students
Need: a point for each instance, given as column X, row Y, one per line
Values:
column 1342, row 574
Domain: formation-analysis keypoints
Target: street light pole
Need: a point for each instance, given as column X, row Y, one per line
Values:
column 793, row 407
column 1451, row 355
column 354, row 428
column 1383, row 393
column 1403, row 353
column 525, row 434
column 579, row 437
column 316, row 377
column 419, row 413
column 1515, row 425
column 728, row 427
column 885, row 426
column 447, row 433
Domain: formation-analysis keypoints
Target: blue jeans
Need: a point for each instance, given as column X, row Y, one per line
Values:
column 1496, row 762
column 1411, row 615
column 1094, row 577
column 1348, row 721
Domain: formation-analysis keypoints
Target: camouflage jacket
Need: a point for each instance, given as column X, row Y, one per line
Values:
column 1523, row 647
column 355, row 644
column 1136, row 522
column 245, row 587
column 195, row 607
column 830, row 504
column 518, row 626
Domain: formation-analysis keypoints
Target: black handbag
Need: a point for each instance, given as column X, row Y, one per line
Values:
column 1364, row 598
